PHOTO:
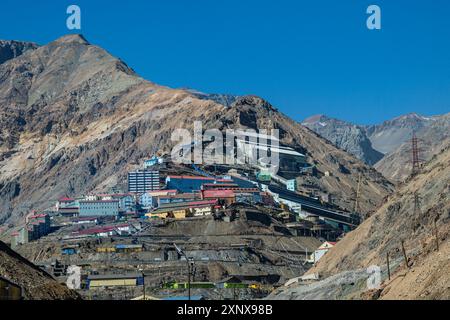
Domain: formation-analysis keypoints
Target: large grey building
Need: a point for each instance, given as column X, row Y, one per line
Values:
column 98, row 208
column 142, row 181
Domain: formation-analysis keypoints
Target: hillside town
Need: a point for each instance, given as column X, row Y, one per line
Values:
column 225, row 218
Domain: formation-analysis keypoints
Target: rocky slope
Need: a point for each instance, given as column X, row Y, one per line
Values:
column 389, row 135
column 36, row 284
column 12, row 49
column 74, row 119
column 382, row 233
column 347, row 136
column 387, row 146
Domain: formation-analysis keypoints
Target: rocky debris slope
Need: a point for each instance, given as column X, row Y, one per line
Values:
column 12, row 49
column 36, row 284
column 74, row 119
column 397, row 221
column 347, row 136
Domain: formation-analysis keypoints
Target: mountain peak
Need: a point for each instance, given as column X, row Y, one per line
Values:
column 316, row 118
column 73, row 38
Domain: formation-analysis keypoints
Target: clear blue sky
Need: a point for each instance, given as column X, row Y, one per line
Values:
column 305, row 57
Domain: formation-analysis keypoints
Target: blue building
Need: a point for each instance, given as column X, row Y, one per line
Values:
column 191, row 184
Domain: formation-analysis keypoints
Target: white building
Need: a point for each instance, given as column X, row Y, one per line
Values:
column 320, row 251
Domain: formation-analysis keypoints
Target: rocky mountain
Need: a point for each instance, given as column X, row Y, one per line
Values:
column 74, row 119
column 12, row 49
column 409, row 215
column 388, row 136
column 347, row 136
column 387, row 146
column 433, row 136
column 36, row 283
column 224, row 99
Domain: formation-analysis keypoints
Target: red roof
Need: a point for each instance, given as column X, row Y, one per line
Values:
column 218, row 194
column 102, row 229
column 65, row 199
column 191, row 177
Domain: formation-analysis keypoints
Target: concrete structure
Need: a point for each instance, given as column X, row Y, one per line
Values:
column 153, row 162
column 142, row 181
column 178, row 198
column 98, row 208
column 291, row 185
column 319, row 252
column 106, row 231
column 150, row 199
column 36, row 226
column 65, row 202
column 262, row 148
column 126, row 200
column 114, row 280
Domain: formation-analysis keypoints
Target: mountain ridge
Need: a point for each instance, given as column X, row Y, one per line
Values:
column 75, row 119
column 390, row 140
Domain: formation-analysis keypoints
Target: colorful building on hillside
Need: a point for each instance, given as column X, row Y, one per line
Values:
column 150, row 199
column 225, row 197
column 190, row 184
column 184, row 210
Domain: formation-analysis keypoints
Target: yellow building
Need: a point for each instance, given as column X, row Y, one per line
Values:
column 183, row 210
column 114, row 280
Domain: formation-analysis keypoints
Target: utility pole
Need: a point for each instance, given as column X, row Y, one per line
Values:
column 436, row 233
column 143, row 283
column 404, row 254
column 388, row 266
column 181, row 253
column 358, row 191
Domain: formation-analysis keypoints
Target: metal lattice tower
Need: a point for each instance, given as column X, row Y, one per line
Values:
column 415, row 155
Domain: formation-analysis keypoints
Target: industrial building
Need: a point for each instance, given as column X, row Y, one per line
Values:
column 98, row 208
column 262, row 148
column 126, row 201
column 150, row 199
column 142, row 181
column 36, row 226
column 183, row 210
column 114, row 280
column 189, row 184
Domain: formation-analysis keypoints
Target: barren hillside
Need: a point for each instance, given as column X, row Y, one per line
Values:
column 75, row 119
column 36, row 284
column 396, row 221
